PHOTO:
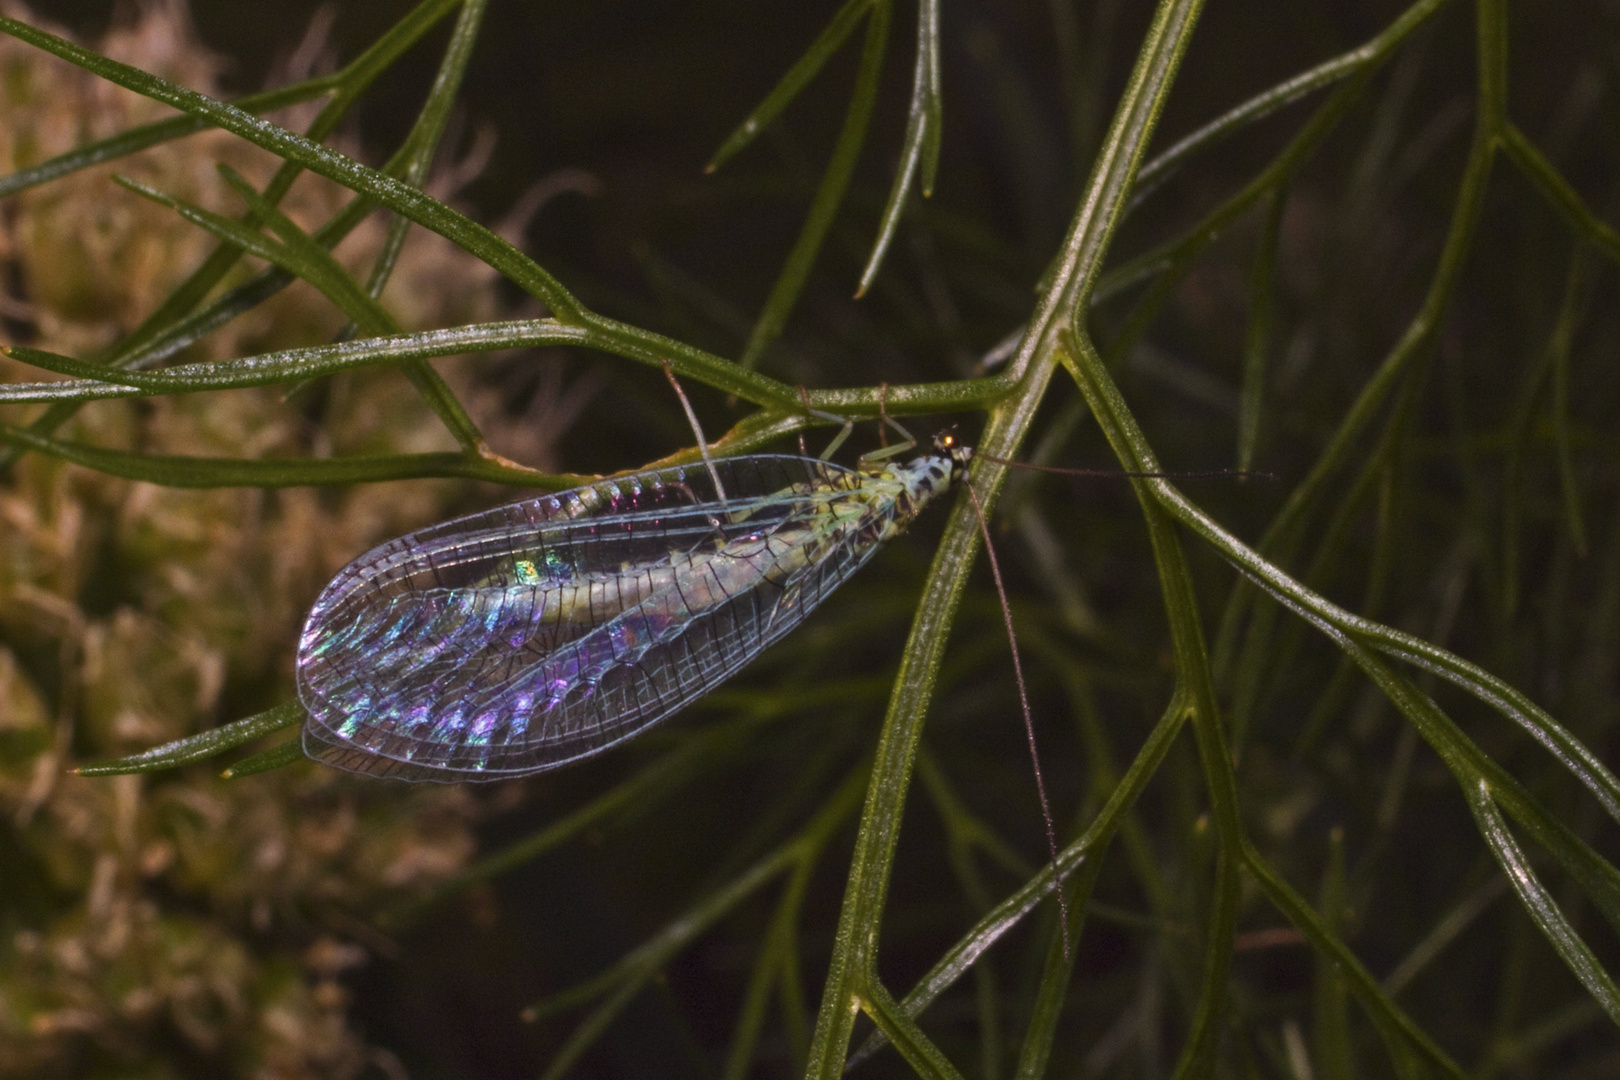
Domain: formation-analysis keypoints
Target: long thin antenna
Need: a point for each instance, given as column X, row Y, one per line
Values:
column 1177, row 474
column 1029, row 718
column 804, row 397
column 697, row 429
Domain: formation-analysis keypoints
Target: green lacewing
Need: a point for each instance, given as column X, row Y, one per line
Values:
column 543, row 632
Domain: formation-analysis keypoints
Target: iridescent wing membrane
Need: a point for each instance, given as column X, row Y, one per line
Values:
column 542, row 632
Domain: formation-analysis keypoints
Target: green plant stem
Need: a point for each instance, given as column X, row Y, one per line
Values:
column 1397, row 368
column 200, row 747
column 630, row 975
column 1413, row 343
column 1194, row 674
column 1127, row 440
column 146, row 136
column 1368, row 55
column 852, row 978
column 170, row 328
column 93, row 381
column 206, row 472
column 1089, row 848
column 920, row 146
column 1257, row 339
column 829, row 195
column 1558, row 192
column 286, row 752
column 307, row 154
column 793, row 81
column 1398, row 1029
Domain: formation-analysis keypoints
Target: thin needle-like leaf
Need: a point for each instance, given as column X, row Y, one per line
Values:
column 307, row 262
column 919, row 148
column 1047, row 1015
column 362, row 308
column 705, row 752
column 1332, row 1045
column 1343, row 66
column 214, row 472
column 626, row 978
column 902, row 1032
column 200, row 747
column 278, row 756
column 797, row 77
column 1073, row 275
column 175, row 324
column 1568, row 485
column 310, row 155
column 1399, row 1030
column 789, row 285
column 1257, row 341
column 1445, row 931
column 426, row 134
column 1543, row 909
column 148, row 135
column 1586, row 224
column 1090, row 847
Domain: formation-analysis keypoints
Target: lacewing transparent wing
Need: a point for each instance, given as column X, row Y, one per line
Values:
column 540, row 633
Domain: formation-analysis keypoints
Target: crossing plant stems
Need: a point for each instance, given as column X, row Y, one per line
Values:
column 1310, row 732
